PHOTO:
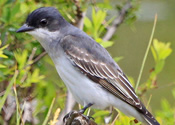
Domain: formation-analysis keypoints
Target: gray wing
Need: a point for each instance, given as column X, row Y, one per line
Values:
column 94, row 61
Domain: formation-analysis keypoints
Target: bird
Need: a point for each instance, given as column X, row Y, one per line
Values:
column 87, row 69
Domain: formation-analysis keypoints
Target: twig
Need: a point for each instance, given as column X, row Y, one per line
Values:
column 117, row 21
column 113, row 122
column 146, row 53
column 39, row 57
column 18, row 110
column 70, row 102
column 49, row 112
column 149, row 100
column 79, row 15
column 32, row 54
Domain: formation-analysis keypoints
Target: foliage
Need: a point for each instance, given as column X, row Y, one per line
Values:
column 160, row 52
column 27, row 79
column 2, row 55
column 96, row 27
column 167, row 113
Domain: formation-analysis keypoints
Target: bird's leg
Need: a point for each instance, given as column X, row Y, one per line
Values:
column 85, row 108
column 77, row 113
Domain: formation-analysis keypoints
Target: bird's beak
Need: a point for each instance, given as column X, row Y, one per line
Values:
column 25, row 28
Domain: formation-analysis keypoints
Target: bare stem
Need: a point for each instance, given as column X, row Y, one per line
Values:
column 146, row 53
column 117, row 21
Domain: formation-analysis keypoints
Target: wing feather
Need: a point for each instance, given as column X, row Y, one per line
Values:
column 109, row 76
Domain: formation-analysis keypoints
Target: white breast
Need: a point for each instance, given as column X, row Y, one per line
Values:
column 83, row 89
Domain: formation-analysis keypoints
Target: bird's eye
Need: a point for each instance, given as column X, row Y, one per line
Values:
column 43, row 22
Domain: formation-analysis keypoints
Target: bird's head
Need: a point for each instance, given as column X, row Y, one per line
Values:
column 43, row 23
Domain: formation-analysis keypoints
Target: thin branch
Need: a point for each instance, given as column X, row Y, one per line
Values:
column 79, row 15
column 32, row 54
column 113, row 122
column 117, row 21
column 146, row 53
column 39, row 57
column 70, row 102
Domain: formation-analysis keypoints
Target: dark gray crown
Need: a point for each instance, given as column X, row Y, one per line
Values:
column 46, row 17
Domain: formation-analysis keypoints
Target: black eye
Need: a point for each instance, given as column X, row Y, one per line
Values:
column 43, row 22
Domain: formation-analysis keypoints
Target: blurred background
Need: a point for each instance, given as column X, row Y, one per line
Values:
column 26, row 96
column 131, row 43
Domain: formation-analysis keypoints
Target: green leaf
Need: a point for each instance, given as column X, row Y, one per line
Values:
column 93, row 16
column 24, row 7
column 21, row 57
column 2, row 66
column 87, row 23
column 117, row 59
column 107, row 44
column 16, row 9
column 3, row 56
column 160, row 50
column 8, row 15
column 154, row 54
column 165, row 53
column 33, row 78
column 100, row 113
column 36, row 77
column 4, row 47
column 159, row 66
column 97, row 21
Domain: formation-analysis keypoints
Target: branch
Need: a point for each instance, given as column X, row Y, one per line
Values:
column 39, row 57
column 36, row 59
column 70, row 102
column 117, row 21
column 79, row 15
column 76, row 118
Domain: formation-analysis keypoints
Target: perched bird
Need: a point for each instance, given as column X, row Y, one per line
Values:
column 86, row 68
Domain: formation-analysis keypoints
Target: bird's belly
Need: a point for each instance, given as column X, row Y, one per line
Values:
column 83, row 89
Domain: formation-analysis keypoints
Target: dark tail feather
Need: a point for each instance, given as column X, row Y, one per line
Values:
column 150, row 120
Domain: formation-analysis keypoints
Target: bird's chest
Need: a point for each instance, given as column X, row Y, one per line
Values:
column 83, row 89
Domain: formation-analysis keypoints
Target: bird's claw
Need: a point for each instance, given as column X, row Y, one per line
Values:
column 67, row 116
column 74, row 114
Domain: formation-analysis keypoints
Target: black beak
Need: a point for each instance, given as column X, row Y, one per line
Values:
column 25, row 28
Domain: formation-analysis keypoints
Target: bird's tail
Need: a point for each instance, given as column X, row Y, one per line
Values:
column 149, row 119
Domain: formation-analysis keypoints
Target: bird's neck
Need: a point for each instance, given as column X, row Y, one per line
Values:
column 46, row 38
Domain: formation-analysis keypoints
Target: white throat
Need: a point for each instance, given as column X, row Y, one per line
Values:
column 44, row 36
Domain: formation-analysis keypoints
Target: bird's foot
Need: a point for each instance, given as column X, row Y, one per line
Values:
column 74, row 115
column 85, row 108
column 70, row 115
column 77, row 118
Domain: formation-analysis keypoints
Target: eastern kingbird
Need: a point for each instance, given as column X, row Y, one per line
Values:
column 86, row 68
